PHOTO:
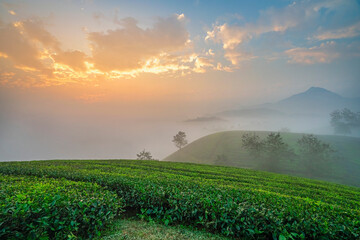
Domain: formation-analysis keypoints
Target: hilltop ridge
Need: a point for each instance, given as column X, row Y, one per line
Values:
column 228, row 144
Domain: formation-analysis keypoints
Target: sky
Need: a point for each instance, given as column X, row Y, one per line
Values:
column 91, row 78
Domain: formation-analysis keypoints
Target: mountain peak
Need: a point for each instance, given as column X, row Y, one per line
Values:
column 318, row 90
column 314, row 95
column 314, row 92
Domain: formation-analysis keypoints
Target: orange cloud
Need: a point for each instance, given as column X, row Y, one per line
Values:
column 236, row 56
column 19, row 49
column 35, row 56
column 324, row 53
column 73, row 59
column 35, row 30
column 346, row 32
column 129, row 47
column 231, row 38
column 201, row 63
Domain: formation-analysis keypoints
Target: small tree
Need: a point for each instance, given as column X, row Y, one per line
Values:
column 316, row 155
column 144, row 155
column 253, row 144
column 275, row 150
column 180, row 140
column 270, row 150
column 344, row 120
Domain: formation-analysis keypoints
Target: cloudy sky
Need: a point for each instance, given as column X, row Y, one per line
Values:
column 64, row 64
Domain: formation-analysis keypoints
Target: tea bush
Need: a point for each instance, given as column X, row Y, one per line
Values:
column 45, row 208
column 240, row 203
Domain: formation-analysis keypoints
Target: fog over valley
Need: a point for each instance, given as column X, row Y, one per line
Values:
column 48, row 127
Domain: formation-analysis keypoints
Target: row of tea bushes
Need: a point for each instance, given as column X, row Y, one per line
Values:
column 46, row 208
column 241, row 203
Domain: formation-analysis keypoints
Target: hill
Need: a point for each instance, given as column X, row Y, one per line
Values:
column 239, row 203
column 225, row 148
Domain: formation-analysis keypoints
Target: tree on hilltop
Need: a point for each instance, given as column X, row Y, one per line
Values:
column 275, row 150
column 272, row 150
column 316, row 155
column 343, row 121
column 253, row 144
column 180, row 140
column 144, row 155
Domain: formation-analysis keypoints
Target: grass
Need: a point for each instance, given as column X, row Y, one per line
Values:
column 238, row 203
column 135, row 229
column 345, row 170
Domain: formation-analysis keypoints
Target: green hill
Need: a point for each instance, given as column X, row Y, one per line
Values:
column 344, row 169
column 78, row 199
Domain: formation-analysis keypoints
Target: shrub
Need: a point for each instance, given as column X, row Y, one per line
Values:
column 45, row 208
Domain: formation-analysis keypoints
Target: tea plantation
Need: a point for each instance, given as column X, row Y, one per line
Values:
column 78, row 198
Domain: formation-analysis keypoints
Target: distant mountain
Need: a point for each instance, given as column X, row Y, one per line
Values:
column 314, row 93
column 308, row 111
column 315, row 101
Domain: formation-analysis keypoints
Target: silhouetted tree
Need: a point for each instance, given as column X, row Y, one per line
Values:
column 275, row 150
column 144, row 155
column 271, row 150
column 315, row 154
column 180, row 140
column 253, row 144
column 343, row 121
